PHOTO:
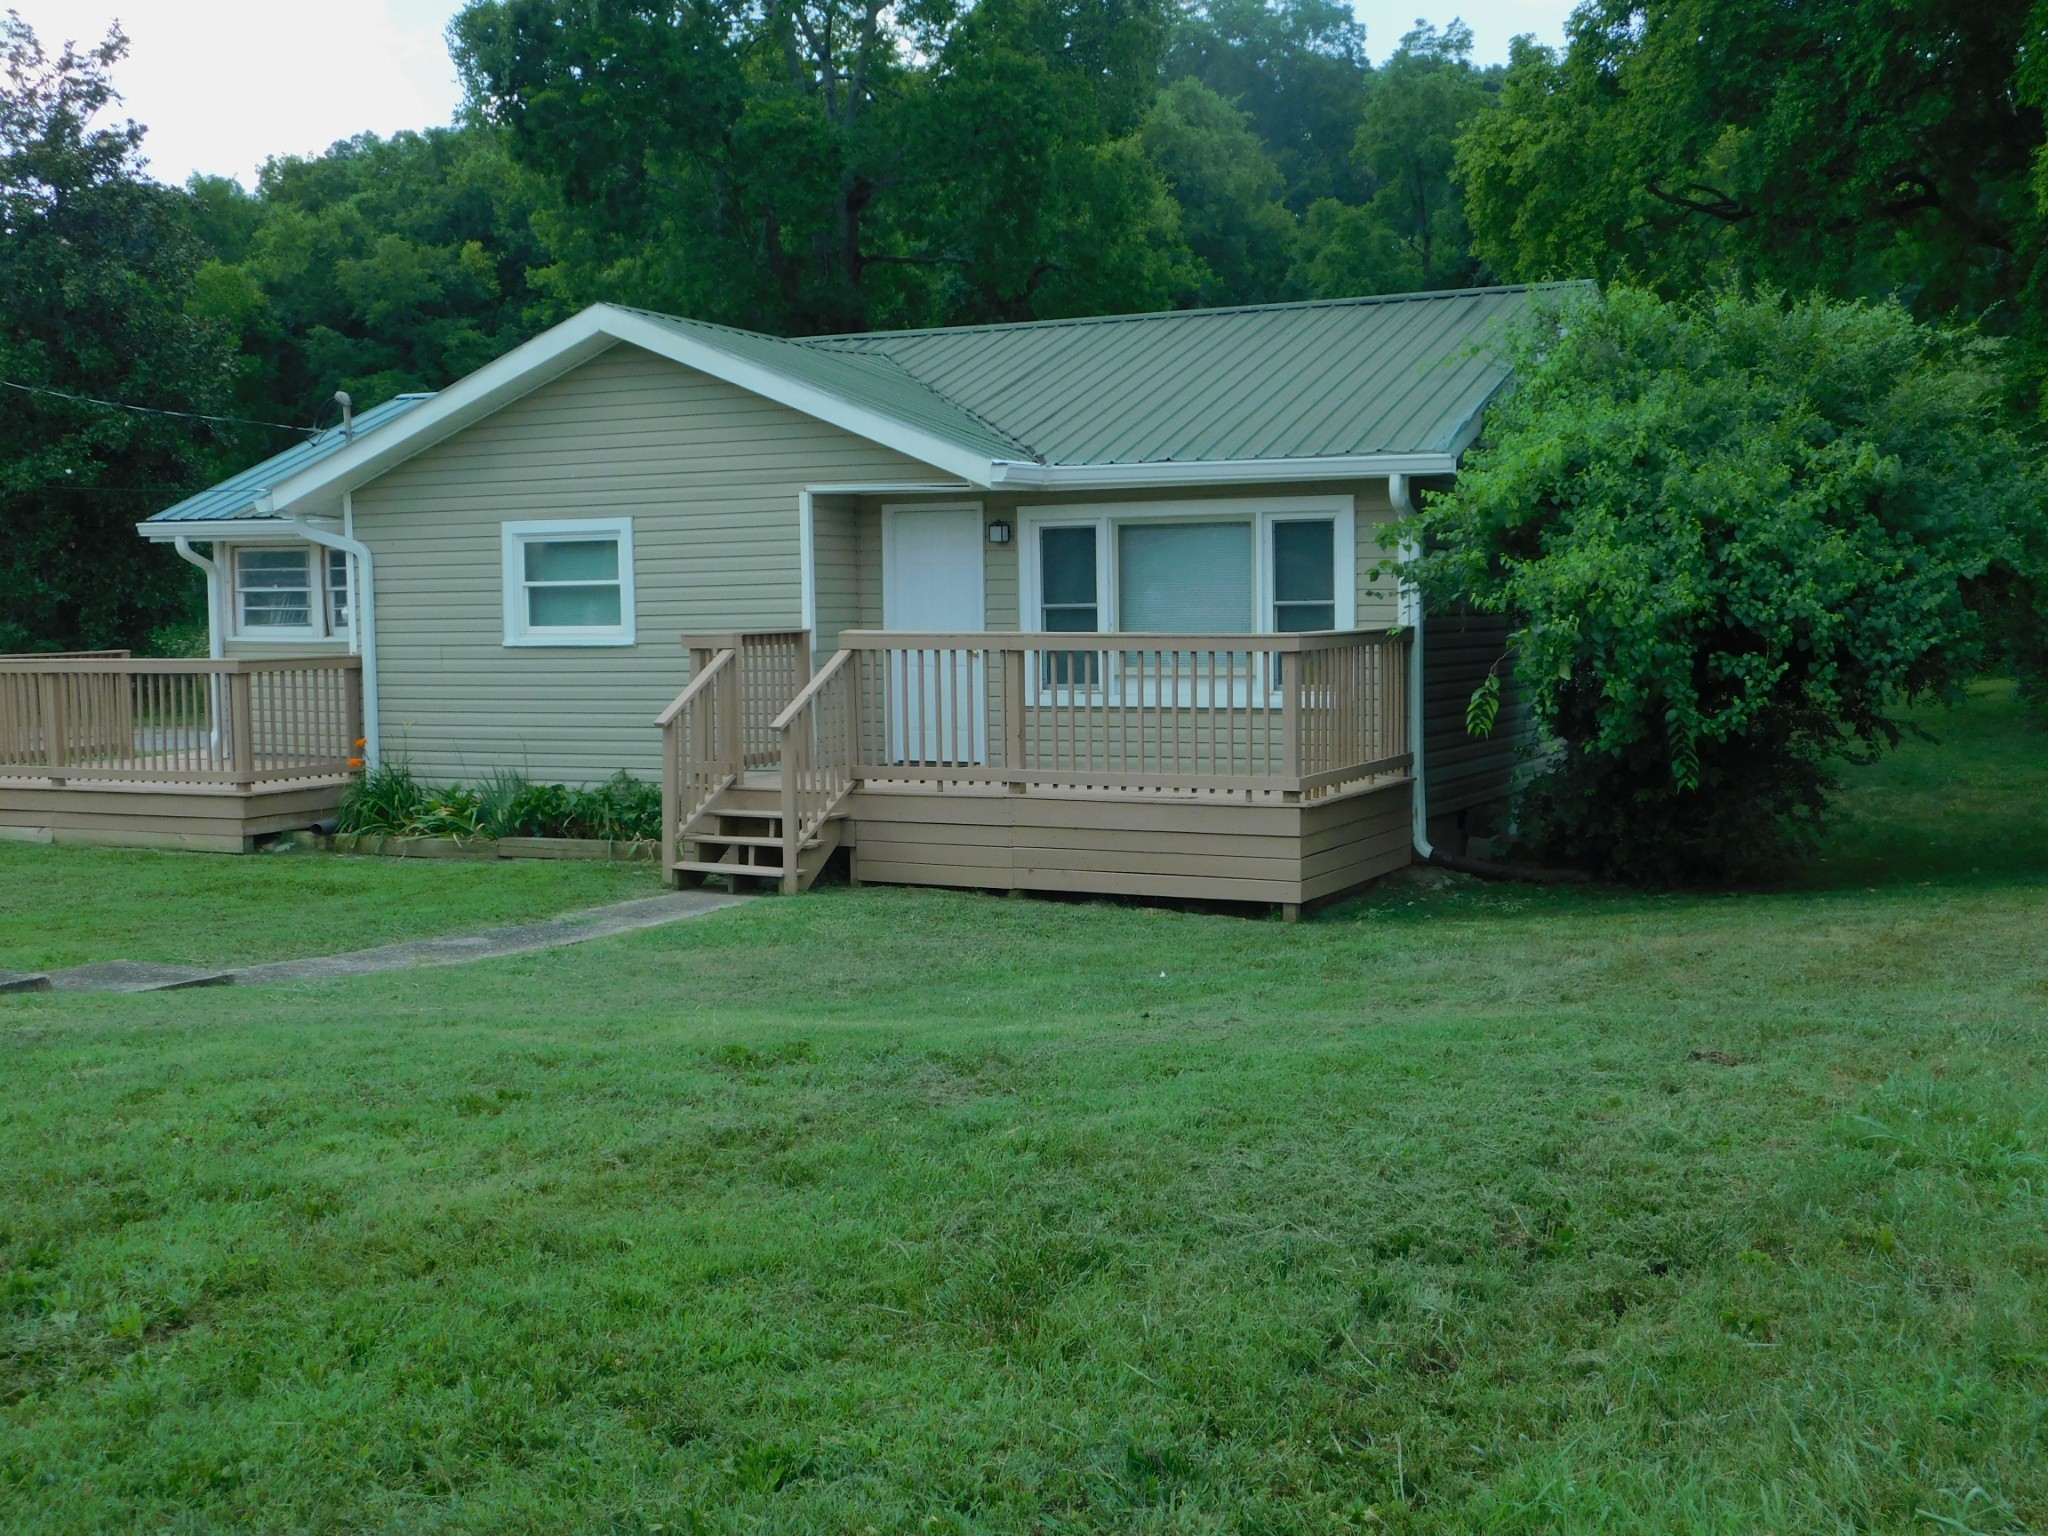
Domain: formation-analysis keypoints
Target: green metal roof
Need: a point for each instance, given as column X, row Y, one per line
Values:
column 871, row 379
column 1404, row 373
column 235, row 497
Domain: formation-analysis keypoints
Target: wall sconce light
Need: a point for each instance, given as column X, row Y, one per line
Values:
column 999, row 532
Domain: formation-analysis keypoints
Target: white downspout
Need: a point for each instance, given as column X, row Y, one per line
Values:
column 1411, row 620
column 363, row 620
column 216, row 618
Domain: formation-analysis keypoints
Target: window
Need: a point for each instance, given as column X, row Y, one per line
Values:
column 1069, row 582
column 1184, row 576
column 1304, row 574
column 337, row 592
column 569, row 582
column 274, row 591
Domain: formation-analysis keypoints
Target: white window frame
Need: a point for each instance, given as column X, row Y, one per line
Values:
column 514, row 537
column 341, row 620
column 1262, row 512
column 316, row 594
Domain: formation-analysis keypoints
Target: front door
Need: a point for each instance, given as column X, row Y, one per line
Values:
column 932, row 580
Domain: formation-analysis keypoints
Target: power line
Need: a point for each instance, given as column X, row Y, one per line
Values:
column 153, row 410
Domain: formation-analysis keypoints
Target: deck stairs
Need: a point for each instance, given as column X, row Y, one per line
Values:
column 738, row 838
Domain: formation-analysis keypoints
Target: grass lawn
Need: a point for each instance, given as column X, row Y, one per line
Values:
column 1459, row 1209
column 70, row 906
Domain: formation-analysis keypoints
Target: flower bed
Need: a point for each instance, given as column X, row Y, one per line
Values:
column 391, row 804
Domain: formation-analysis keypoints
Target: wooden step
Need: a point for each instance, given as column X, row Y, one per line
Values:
column 725, row 867
column 744, row 842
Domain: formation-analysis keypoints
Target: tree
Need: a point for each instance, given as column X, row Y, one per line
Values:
column 1861, row 147
column 1297, row 70
column 1229, row 191
column 1411, row 233
column 817, row 165
column 1733, row 533
column 96, row 263
column 381, row 266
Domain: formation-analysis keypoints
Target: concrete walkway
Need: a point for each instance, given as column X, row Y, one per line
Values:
column 523, row 938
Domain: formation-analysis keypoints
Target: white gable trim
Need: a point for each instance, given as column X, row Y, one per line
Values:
column 572, row 343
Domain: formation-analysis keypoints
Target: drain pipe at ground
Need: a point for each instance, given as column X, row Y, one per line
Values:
column 1410, row 614
column 363, row 625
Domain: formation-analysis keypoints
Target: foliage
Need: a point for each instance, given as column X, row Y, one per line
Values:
column 95, row 271
column 382, row 266
column 1228, row 189
column 1411, row 233
column 1468, row 1208
column 390, row 800
column 1861, row 147
column 384, row 799
column 1735, row 532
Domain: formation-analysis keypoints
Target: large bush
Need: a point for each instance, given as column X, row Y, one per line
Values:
column 1734, row 533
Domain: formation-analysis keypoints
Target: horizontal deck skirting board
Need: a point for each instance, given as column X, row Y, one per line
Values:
column 206, row 819
column 1107, row 844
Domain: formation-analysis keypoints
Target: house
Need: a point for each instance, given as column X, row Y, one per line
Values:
column 1084, row 605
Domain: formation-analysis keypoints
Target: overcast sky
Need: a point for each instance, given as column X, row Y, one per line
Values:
column 225, row 84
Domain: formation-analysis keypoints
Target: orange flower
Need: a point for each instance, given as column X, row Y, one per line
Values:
column 362, row 741
column 355, row 762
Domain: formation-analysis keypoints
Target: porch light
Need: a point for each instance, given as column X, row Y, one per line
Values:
column 999, row 532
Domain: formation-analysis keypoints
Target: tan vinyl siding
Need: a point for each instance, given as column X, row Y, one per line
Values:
column 835, row 547
column 710, row 476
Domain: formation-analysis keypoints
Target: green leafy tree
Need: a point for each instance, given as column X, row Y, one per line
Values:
column 1860, row 147
column 381, row 266
column 814, row 165
column 1229, row 192
column 1411, row 233
column 1733, row 533
column 1297, row 69
column 96, row 263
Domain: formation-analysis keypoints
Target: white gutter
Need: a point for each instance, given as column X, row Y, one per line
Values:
column 1005, row 474
column 1411, row 620
column 363, row 618
column 216, row 644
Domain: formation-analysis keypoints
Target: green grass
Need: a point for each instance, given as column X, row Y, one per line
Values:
column 68, row 906
column 1460, row 1209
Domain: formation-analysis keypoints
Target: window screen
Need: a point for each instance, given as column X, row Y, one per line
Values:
column 337, row 591
column 1184, row 577
column 573, row 584
column 1304, row 575
column 274, row 588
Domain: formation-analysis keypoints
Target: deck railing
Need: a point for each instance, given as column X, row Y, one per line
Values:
column 1292, row 715
column 772, row 665
column 125, row 719
column 724, row 722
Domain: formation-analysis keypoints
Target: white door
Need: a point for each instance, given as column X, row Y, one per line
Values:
column 932, row 580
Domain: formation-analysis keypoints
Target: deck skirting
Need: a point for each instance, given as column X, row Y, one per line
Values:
column 1215, row 849
column 202, row 818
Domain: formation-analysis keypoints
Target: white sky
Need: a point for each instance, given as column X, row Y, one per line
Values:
column 224, row 84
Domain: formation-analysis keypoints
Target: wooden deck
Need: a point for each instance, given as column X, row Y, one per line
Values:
column 207, row 755
column 1269, row 768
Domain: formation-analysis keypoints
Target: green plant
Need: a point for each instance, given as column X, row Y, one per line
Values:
column 1736, row 534
column 622, row 808
column 540, row 810
column 498, row 794
column 451, row 811
column 385, row 799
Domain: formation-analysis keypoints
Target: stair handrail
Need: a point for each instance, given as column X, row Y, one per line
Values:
column 817, row 736
column 701, row 748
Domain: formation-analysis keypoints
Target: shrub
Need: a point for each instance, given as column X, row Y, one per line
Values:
column 385, row 799
column 540, row 810
column 623, row 807
column 1734, row 533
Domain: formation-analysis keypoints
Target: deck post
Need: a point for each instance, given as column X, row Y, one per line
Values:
column 1291, row 672
column 671, row 798
column 1013, row 714
column 241, row 731
column 56, row 725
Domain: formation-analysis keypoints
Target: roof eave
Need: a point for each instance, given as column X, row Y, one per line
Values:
column 216, row 528
column 1351, row 466
column 574, row 342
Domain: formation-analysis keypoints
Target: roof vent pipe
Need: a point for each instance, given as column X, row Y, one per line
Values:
column 348, row 414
